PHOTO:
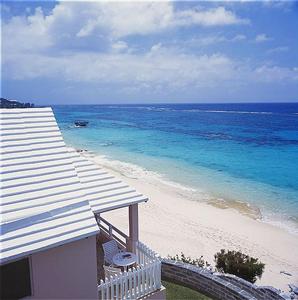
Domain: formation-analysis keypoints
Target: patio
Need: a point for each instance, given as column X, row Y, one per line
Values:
column 141, row 279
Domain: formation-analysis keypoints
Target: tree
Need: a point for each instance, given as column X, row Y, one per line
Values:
column 239, row 264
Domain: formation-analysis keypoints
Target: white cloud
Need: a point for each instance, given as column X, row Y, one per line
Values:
column 213, row 17
column 23, row 34
column 4, row 8
column 278, row 50
column 124, row 19
column 239, row 37
column 159, row 66
column 260, row 38
column 113, row 20
column 208, row 40
column 276, row 74
column 101, row 26
column 156, row 47
column 214, row 39
column 285, row 5
column 119, row 46
column 52, row 46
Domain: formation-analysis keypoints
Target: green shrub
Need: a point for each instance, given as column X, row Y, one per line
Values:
column 200, row 262
column 239, row 264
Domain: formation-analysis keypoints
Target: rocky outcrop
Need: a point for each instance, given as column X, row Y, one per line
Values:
column 5, row 103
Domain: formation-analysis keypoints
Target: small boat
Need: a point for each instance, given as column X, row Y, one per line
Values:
column 81, row 123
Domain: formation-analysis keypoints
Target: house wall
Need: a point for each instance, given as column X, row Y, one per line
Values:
column 67, row 271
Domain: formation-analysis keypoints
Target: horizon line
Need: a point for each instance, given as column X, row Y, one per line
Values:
column 173, row 103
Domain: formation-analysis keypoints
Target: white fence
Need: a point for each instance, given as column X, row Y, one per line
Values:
column 137, row 282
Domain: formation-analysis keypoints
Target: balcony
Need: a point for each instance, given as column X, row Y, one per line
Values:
column 141, row 280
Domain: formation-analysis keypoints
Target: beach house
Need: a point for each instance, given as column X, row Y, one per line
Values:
column 52, row 228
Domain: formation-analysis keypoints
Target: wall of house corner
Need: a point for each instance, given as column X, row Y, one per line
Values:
column 65, row 272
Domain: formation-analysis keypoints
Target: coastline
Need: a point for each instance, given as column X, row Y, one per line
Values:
column 170, row 223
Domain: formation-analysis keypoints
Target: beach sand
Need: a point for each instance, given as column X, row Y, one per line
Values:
column 171, row 222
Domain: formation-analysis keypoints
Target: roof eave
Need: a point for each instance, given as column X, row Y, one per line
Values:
column 45, row 248
column 102, row 210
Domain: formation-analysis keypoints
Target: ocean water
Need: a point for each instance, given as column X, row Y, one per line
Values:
column 245, row 153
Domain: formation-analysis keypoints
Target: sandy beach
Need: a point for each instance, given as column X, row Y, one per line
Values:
column 171, row 222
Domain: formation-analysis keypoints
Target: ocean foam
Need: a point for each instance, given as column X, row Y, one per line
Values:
column 133, row 171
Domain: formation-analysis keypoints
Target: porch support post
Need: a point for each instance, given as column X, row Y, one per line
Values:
column 133, row 227
column 97, row 218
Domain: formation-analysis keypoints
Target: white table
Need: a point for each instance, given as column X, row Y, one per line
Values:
column 124, row 259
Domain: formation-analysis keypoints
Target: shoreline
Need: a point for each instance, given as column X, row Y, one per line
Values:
column 171, row 223
column 211, row 196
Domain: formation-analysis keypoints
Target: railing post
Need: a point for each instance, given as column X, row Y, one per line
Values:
column 110, row 231
column 97, row 217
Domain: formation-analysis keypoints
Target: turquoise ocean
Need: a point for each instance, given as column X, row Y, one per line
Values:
column 243, row 153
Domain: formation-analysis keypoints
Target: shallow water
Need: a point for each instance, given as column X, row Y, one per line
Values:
column 234, row 152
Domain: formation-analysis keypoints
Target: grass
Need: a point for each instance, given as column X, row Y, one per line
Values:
column 178, row 292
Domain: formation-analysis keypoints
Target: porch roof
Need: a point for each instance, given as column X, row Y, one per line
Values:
column 103, row 191
column 47, row 191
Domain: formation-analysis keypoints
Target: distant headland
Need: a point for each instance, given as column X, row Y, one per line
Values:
column 5, row 103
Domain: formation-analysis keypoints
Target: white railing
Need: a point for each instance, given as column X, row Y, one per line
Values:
column 136, row 282
column 112, row 232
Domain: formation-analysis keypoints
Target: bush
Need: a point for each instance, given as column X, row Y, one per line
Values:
column 200, row 262
column 239, row 264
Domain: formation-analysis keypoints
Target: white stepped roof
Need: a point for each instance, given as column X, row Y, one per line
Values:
column 46, row 189
column 103, row 191
column 42, row 203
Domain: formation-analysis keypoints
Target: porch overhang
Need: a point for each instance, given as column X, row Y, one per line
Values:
column 103, row 191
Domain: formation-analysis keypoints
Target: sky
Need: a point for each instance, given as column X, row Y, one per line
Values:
column 149, row 52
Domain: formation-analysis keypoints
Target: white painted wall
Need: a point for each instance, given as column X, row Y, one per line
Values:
column 68, row 271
